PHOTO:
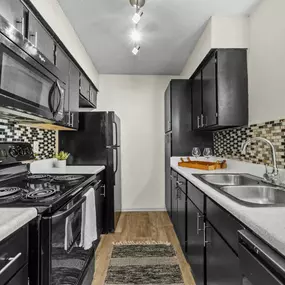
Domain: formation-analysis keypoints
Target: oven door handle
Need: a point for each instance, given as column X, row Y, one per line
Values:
column 69, row 211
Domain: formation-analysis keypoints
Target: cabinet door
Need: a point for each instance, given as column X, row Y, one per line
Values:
column 84, row 87
column 40, row 38
column 195, row 242
column 13, row 12
column 209, row 93
column 73, row 87
column 21, row 278
column 181, row 218
column 93, row 96
column 167, row 109
column 174, row 214
column 197, row 100
column 100, row 197
column 222, row 263
column 168, row 173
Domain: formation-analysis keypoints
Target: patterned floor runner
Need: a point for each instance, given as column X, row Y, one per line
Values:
column 143, row 264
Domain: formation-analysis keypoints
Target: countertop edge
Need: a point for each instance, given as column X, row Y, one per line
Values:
column 17, row 218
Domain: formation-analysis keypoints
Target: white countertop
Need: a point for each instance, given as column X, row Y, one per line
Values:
column 11, row 219
column 266, row 222
column 46, row 166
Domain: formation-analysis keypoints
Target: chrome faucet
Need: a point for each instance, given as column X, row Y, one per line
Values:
column 268, row 177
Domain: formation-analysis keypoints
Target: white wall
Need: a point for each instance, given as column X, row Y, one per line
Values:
column 220, row 32
column 266, row 61
column 139, row 102
column 53, row 14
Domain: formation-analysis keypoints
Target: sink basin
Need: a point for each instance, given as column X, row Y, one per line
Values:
column 229, row 179
column 257, row 194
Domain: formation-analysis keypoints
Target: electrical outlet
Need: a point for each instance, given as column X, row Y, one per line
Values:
column 36, row 147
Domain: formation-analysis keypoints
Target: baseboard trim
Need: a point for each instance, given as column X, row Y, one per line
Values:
column 145, row 210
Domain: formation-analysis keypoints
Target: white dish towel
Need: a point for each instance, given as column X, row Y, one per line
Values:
column 89, row 224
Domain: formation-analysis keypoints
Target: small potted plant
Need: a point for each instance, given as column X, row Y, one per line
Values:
column 61, row 159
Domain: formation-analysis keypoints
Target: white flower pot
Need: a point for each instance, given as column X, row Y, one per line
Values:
column 60, row 163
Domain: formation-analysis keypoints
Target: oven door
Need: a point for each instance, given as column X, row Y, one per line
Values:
column 63, row 260
column 27, row 86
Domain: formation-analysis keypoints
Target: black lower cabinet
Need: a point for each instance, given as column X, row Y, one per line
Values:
column 21, row 278
column 174, row 205
column 195, row 242
column 181, row 218
column 221, row 262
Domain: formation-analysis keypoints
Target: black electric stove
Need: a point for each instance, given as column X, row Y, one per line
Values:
column 55, row 253
column 45, row 192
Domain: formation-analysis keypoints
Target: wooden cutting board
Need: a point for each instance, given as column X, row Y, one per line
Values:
column 203, row 165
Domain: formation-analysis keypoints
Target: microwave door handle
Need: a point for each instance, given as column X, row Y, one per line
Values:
column 66, row 213
column 61, row 97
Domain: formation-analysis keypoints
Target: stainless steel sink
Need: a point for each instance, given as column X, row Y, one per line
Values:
column 229, row 179
column 245, row 189
column 257, row 194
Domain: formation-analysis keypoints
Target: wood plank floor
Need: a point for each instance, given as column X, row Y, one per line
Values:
column 139, row 226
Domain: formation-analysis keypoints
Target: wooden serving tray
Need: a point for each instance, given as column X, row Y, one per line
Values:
column 203, row 165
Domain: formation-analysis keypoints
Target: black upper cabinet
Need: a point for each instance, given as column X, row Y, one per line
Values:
column 84, row 87
column 196, row 100
column 209, row 87
column 167, row 109
column 223, row 99
column 14, row 12
column 40, row 38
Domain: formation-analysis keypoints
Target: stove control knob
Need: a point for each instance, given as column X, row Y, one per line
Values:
column 13, row 152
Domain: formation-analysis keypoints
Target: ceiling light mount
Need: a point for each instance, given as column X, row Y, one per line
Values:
column 137, row 3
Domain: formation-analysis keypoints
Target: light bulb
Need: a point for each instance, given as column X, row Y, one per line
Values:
column 136, row 49
column 135, row 36
column 137, row 17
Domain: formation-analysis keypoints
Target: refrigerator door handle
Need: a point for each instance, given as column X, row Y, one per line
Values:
column 116, row 130
column 117, row 162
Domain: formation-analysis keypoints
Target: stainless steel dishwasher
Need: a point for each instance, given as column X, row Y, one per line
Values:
column 259, row 264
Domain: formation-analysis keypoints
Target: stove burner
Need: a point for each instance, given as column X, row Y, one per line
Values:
column 42, row 193
column 67, row 178
column 7, row 191
column 38, row 177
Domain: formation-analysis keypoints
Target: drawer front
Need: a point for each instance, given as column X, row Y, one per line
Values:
column 21, row 278
column 13, row 254
column 224, row 223
column 196, row 196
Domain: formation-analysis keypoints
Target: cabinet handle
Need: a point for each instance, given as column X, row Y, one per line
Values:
column 198, row 223
column 21, row 21
column 198, row 122
column 33, row 38
column 206, row 121
column 11, row 261
column 206, row 242
column 104, row 191
column 202, row 120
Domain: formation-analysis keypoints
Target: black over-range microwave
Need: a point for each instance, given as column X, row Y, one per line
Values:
column 30, row 90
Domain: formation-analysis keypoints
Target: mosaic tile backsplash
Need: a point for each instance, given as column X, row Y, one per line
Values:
column 11, row 132
column 227, row 143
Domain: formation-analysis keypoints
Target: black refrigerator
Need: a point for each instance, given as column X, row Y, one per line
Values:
column 97, row 142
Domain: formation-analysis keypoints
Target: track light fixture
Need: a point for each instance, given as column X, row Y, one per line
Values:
column 136, row 35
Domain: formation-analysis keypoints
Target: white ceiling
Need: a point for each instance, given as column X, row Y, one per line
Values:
column 170, row 29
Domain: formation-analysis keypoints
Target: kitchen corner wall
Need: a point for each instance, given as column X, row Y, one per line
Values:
column 11, row 132
column 139, row 102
